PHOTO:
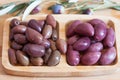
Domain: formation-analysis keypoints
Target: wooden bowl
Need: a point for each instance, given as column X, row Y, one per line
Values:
column 62, row 69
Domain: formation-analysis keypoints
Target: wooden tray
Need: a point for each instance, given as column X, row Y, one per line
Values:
column 62, row 69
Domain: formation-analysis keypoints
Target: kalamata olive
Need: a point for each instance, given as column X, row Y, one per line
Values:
column 47, row 31
column 50, row 20
column 11, row 36
column 24, row 23
column 20, row 38
column 36, row 10
column 82, row 44
column 34, row 50
column 72, row 56
column 12, row 56
column 87, row 11
column 108, row 56
column 14, row 22
column 16, row 46
column 45, row 43
column 72, row 40
column 19, row 29
column 96, row 21
column 85, row 29
column 70, row 30
column 96, row 47
column 22, row 58
column 41, row 23
column 61, row 45
column 90, row 58
column 36, row 61
column 47, row 55
column 33, row 36
column 53, row 45
column 54, row 58
column 54, row 35
column 109, row 40
column 34, row 25
column 100, row 31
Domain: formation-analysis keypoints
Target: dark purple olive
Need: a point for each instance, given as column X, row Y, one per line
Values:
column 34, row 50
column 108, row 56
column 72, row 40
column 41, row 23
column 72, row 56
column 20, row 38
column 82, row 44
column 58, row 9
column 100, row 31
column 109, row 40
column 85, row 29
column 45, row 43
column 96, row 21
column 14, row 23
column 87, row 11
column 34, row 25
column 36, row 10
column 96, row 47
column 12, row 56
column 16, row 46
column 70, row 30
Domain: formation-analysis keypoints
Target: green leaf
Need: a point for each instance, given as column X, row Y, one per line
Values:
column 116, row 8
column 18, row 7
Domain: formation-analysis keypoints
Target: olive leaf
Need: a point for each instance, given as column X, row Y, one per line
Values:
column 18, row 7
column 116, row 8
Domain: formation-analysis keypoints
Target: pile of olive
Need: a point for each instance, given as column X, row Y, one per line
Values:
column 35, row 42
column 90, row 43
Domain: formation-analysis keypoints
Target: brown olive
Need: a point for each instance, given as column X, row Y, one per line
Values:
column 22, row 58
column 54, row 58
column 14, row 22
column 47, row 31
column 51, row 21
column 12, row 56
column 36, row 61
column 45, row 43
column 47, row 55
column 54, row 35
column 53, row 45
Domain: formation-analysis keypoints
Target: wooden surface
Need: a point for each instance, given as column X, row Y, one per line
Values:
column 114, row 76
column 62, row 69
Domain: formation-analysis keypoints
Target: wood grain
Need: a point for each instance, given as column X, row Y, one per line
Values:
column 62, row 69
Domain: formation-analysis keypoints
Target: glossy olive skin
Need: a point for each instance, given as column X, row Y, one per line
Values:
column 72, row 39
column 100, row 31
column 34, row 25
column 36, row 61
column 34, row 50
column 85, row 29
column 54, row 35
column 82, row 44
column 14, row 22
column 72, row 57
column 90, row 58
column 47, row 31
column 47, row 55
column 20, row 38
column 46, row 43
column 108, row 56
column 54, row 59
column 70, row 30
column 62, row 45
column 33, row 36
column 41, row 23
column 19, row 29
column 22, row 58
column 109, row 40
column 50, row 20
column 96, row 47
column 12, row 56
column 16, row 46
